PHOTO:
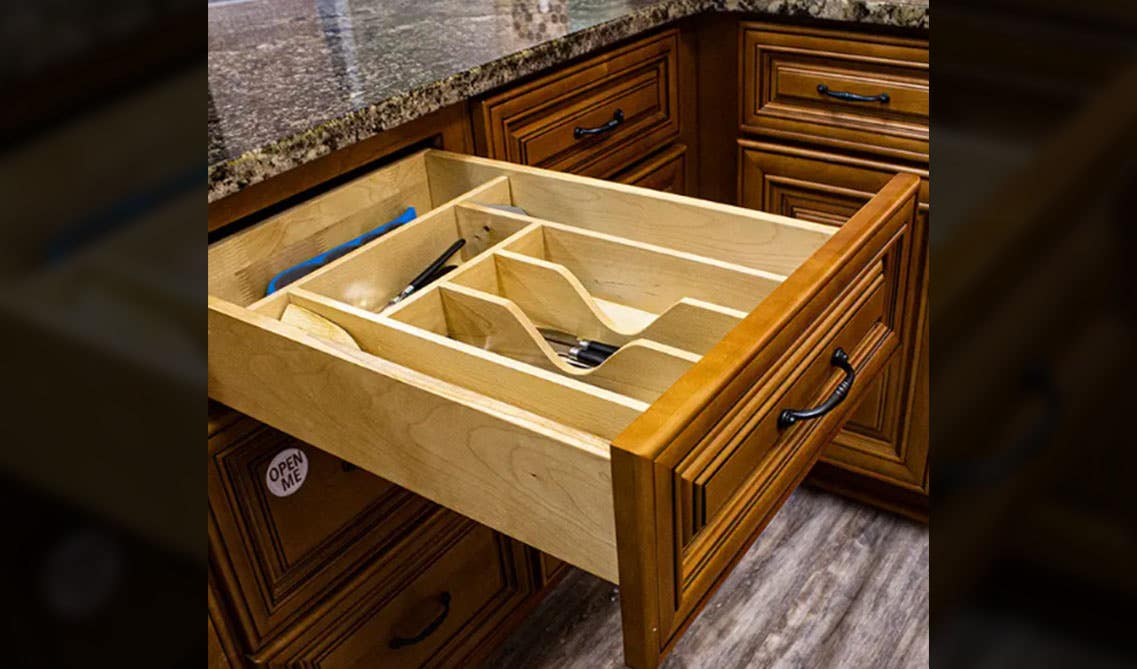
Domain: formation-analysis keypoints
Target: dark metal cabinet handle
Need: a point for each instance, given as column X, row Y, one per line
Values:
column 840, row 360
column 852, row 97
column 617, row 119
column 401, row 642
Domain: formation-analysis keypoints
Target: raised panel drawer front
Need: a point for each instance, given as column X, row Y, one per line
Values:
column 286, row 551
column 742, row 339
column 595, row 118
column 431, row 605
column 883, row 438
column 849, row 90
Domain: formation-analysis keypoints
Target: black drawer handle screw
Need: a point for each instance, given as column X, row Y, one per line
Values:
column 840, row 360
column 617, row 119
column 852, row 97
column 401, row 642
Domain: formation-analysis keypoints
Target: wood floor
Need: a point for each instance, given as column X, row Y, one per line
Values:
column 830, row 583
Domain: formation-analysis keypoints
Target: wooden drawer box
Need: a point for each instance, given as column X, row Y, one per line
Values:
column 285, row 552
column 885, row 436
column 847, row 90
column 430, row 605
column 655, row 469
column 595, row 118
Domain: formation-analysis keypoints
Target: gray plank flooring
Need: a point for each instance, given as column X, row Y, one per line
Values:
column 830, row 583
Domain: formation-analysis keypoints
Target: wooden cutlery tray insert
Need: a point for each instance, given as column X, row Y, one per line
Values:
column 654, row 468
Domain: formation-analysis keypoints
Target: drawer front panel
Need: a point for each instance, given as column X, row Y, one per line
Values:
column 856, row 92
column 827, row 188
column 286, row 551
column 699, row 490
column 858, row 324
column 629, row 98
column 665, row 172
column 431, row 605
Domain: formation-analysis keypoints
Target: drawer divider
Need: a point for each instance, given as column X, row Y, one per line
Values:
column 641, row 369
column 559, row 398
column 375, row 272
column 552, row 297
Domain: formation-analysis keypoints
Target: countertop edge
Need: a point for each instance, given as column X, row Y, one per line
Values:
column 231, row 176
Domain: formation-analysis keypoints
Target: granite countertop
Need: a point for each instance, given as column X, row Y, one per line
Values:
column 293, row 80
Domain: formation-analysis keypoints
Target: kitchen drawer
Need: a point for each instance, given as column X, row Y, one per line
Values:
column 431, row 605
column 284, row 552
column 885, row 437
column 665, row 172
column 655, row 469
column 816, row 186
column 595, row 118
column 849, row 90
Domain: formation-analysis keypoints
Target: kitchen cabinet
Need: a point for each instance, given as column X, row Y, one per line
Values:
column 740, row 334
column 826, row 118
column 455, row 463
column 602, row 116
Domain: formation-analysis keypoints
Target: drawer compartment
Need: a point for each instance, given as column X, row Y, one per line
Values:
column 595, row 118
column 429, row 606
column 854, row 91
column 663, row 459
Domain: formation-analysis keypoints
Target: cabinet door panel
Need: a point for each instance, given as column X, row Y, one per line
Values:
column 287, row 551
column 884, row 440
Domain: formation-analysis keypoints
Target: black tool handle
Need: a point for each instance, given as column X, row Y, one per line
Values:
column 400, row 642
column 600, row 347
column 442, row 271
column 617, row 119
column 852, row 97
column 840, row 360
column 586, row 356
column 424, row 278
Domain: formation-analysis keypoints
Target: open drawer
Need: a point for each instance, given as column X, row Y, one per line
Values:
column 654, row 469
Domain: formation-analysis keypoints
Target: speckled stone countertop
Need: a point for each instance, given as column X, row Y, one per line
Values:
column 293, row 80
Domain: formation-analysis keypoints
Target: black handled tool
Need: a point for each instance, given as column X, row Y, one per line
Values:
column 581, row 350
column 428, row 274
column 581, row 354
column 442, row 271
column 603, row 349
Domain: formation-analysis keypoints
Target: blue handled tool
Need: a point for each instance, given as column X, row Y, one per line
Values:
column 312, row 264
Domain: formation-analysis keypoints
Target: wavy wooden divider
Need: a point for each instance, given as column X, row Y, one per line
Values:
column 551, row 296
column 566, row 400
column 645, row 276
column 641, row 369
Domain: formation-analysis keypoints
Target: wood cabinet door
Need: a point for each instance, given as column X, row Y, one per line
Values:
column 881, row 454
column 285, row 548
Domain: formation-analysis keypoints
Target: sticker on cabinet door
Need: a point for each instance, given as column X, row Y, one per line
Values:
column 286, row 472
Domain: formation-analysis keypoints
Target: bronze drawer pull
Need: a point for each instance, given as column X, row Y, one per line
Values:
column 617, row 119
column 851, row 97
column 841, row 360
column 401, row 642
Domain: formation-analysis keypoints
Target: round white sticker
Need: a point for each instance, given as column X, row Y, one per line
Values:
column 286, row 472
